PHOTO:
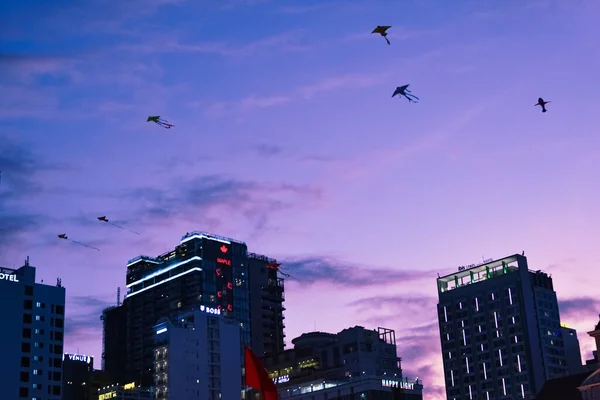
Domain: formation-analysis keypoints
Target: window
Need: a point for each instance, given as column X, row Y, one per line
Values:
column 25, row 347
column 25, row 362
column 26, row 333
column 23, row 392
column 60, row 310
column 28, row 290
column 38, row 304
column 26, row 318
column 28, row 304
column 24, row 376
column 37, row 372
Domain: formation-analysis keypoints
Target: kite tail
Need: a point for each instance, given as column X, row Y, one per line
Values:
column 387, row 40
column 85, row 245
column 127, row 229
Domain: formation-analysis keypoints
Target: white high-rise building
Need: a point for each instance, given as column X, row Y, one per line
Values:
column 197, row 356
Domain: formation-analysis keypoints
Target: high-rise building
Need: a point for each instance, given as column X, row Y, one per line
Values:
column 500, row 330
column 203, row 269
column 572, row 350
column 353, row 363
column 114, row 347
column 266, row 306
column 77, row 377
column 128, row 391
column 33, row 331
column 197, row 356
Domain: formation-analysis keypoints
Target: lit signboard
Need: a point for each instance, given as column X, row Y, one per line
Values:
column 282, row 379
column 210, row 310
column 129, row 386
column 8, row 277
column 77, row 357
column 162, row 330
column 109, row 395
column 223, row 261
column 399, row 384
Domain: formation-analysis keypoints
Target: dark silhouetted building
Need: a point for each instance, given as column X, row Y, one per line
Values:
column 77, row 377
column 33, row 330
column 352, row 362
column 266, row 306
column 114, row 346
column 500, row 330
column 572, row 350
column 203, row 269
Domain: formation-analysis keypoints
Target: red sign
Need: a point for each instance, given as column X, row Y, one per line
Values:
column 229, row 286
column 223, row 249
column 224, row 261
column 229, row 307
column 218, row 271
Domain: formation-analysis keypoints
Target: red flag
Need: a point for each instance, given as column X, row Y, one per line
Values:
column 257, row 376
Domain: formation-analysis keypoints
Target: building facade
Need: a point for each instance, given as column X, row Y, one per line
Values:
column 197, row 356
column 500, row 330
column 346, row 362
column 128, row 391
column 78, row 371
column 266, row 306
column 203, row 269
column 33, row 330
column 572, row 350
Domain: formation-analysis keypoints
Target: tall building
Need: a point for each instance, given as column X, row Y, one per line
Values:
column 197, row 355
column 500, row 330
column 203, row 269
column 77, row 377
column 572, row 350
column 114, row 348
column 353, row 361
column 128, row 391
column 33, row 331
column 266, row 306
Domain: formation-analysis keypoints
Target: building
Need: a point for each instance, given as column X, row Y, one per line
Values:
column 594, row 362
column 203, row 269
column 114, row 348
column 197, row 355
column 354, row 360
column 590, row 388
column 266, row 306
column 33, row 330
column 78, row 371
column 128, row 391
column 499, row 330
column 572, row 349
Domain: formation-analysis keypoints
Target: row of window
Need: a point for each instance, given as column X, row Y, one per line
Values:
column 52, row 376
column 53, row 348
column 52, row 390
column 55, row 362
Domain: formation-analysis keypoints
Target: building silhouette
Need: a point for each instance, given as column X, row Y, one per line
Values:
column 34, row 318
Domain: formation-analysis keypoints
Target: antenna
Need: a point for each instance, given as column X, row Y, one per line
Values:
column 315, row 322
column 27, row 261
column 118, row 296
column 483, row 258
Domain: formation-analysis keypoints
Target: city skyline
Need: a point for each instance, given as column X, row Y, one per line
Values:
column 286, row 137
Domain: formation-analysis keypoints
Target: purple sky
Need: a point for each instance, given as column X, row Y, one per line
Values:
column 287, row 137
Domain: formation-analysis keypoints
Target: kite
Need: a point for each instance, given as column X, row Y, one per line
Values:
column 542, row 103
column 382, row 30
column 403, row 91
column 158, row 120
column 64, row 236
column 104, row 219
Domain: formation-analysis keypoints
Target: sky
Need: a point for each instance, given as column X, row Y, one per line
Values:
column 286, row 137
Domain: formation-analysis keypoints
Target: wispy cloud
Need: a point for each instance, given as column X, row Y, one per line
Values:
column 267, row 150
column 346, row 81
column 254, row 101
column 82, row 322
column 579, row 308
column 340, row 273
column 214, row 196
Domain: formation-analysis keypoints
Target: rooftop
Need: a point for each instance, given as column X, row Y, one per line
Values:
column 478, row 273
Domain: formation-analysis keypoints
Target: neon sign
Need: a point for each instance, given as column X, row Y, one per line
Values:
column 109, row 395
column 399, row 384
column 210, row 310
column 224, row 261
column 282, row 379
column 223, row 249
column 77, row 357
column 8, row 277
column 129, row 386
